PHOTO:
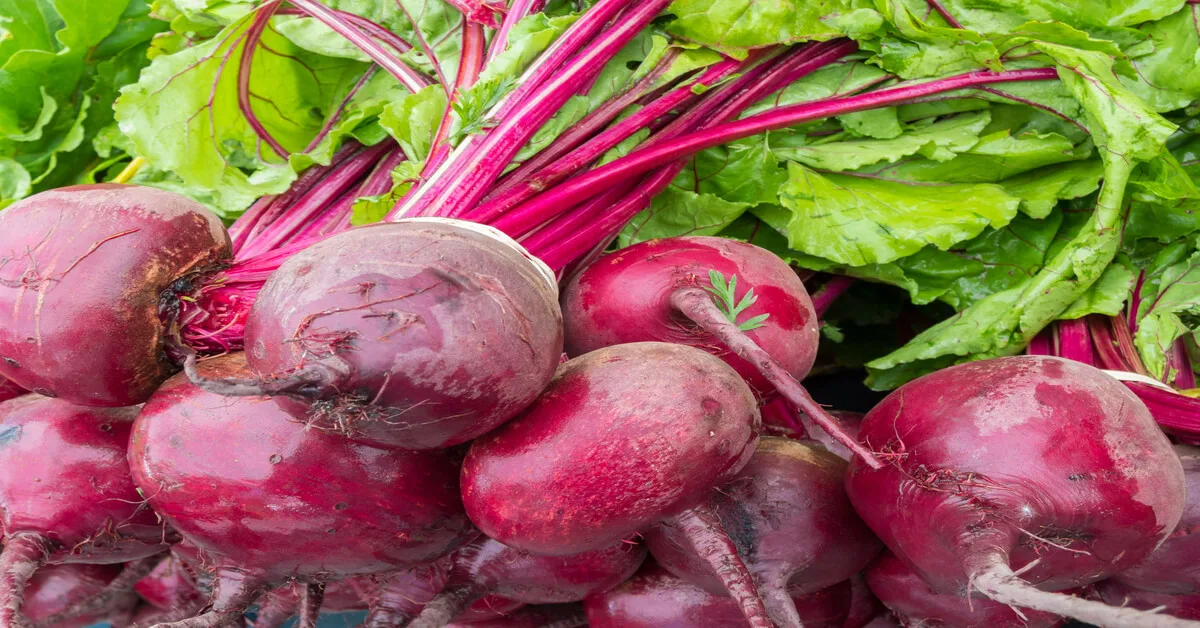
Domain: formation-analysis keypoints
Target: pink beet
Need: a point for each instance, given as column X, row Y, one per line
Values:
column 917, row 604
column 265, row 502
column 733, row 299
column 656, row 599
column 490, row 567
column 624, row 438
column 1174, row 568
column 172, row 585
column 864, row 606
column 793, row 525
column 57, row 588
column 93, row 261
column 68, row 497
column 1184, row 606
column 545, row 616
column 414, row 334
column 1037, row 466
column 283, row 603
column 9, row 390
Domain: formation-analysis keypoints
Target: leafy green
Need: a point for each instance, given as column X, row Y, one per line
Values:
column 725, row 296
column 737, row 25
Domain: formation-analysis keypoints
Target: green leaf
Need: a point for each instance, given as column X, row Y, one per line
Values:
column 183, row 113
column 15, row 182
column 725, row 296
column 940, row 141
column 858, row 221
column 737, row 25
column 1107, row 296
column 1169, row 296
column 1175, row 44
column 413, row 119
column 371, row 209
column 678, row 212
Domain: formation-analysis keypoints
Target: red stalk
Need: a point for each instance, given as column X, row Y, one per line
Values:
column 411, row 79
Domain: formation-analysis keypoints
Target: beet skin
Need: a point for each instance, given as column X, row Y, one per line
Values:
column 83, row 270
column 71, row 498
column 265, row 501
column 656, row 599
column 1174, row 568
column 412, row 334
column 1019, row 462
column 916, row 604
column 793, row 525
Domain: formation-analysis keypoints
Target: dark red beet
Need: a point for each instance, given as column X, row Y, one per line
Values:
column 662, row 290
column 916, row 604
column 546, row 616
column 788, row 514
column 622, row 439
column 283, row 603
column 487, row 608
column 1118, row 594
column 864, row 606
column 1042, row 465
column 1174, row 568
column 67, row 496
column 56, row 588
column 396, row 597
column 656, row 599
column 9, row 390
column 170, row 586
column 266, row 502
column 413, row 334
column 92, row 261
column 490, row 567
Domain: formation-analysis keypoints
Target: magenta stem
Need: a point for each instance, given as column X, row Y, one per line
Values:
column 936, row 5
column 516, row 12
column 467, row 156
column 829, row 293
column 555, row 164
column 411, row 79
column 575, row 190
column 332, row 118
column 249, row 49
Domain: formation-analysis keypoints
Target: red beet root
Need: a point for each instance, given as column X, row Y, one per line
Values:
column 73, row 500
column 1174, row 568
column 622, row 439
column 656, row 599
column 9, row 390
column 266, row 502
column 1118, row 594
column 97, row 258
column 733, row 299
column 171, row 585
column 437, row 336
column 490, row 567
column 1041, row 465
column 793, row 525
column 916, row 604
column 56, row 588
column 864, row 606
column 281, row 604
column 546, row 616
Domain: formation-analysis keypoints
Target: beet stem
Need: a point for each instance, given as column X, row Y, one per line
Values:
column 23, row 555
column 111, row 595
column 443, row 608
column 781, row 608
column 698, row 306
column 995, row 579
column 712, row 544
column 308, row 381
column 310, row 604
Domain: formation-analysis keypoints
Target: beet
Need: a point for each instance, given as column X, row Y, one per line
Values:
column 733, row 299
column 864, row 606
column 265, row 502
column 545, row 616
column 73, row 500
column 1174, row 568
column 93, row 261
column 917, row 604
column 788, row 514
column 657, row 599
column 1041, row 465
column 172, row 587
column 487, row 567
column 280, row 605
column 9, row 390
column 1118, row 594
column 622, row 439
column 57, row 588
column 429, row 352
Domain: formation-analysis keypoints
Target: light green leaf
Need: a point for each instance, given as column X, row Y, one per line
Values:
column 678, row 212
column 737, row 25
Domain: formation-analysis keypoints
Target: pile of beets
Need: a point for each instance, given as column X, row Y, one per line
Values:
column 428, row 425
